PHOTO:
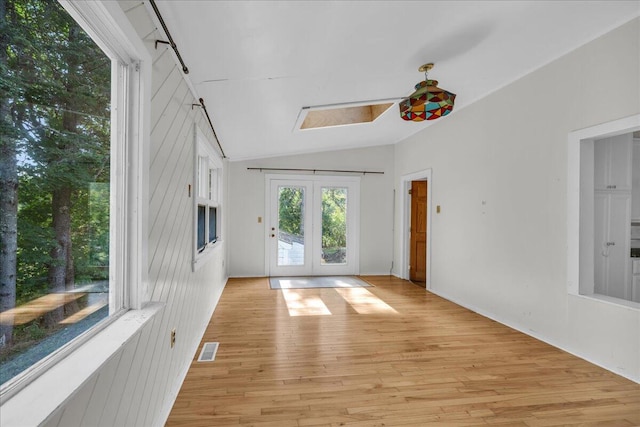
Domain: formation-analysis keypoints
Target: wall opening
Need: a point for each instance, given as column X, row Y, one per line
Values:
column 602, row 214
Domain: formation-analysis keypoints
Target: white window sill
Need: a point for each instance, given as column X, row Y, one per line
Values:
column 623, row 303
column 203, row 257
column 40, row 398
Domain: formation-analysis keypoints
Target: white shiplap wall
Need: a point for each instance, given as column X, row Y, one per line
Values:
column 138, row 385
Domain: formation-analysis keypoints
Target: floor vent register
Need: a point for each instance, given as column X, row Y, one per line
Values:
column 208, row 353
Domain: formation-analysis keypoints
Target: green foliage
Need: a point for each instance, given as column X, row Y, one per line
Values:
column 291, row 209
column 56, row 83
column 90, row 234
column 334, row 218
column 35, row 331
column 334, row 214
column 34, row 240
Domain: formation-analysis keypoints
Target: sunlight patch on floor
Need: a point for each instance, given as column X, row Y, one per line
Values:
column 364, row 302
column 300, row 304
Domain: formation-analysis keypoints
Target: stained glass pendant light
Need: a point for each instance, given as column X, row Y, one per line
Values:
column 428, row 102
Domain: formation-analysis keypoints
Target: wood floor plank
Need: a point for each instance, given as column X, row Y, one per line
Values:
column 400, row 356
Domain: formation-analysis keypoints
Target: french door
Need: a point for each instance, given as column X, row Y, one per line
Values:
column 312, row 226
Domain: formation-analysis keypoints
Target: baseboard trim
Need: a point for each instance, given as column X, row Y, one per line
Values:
column 532, row 334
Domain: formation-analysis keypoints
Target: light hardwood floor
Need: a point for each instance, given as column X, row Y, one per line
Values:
column 393, row 355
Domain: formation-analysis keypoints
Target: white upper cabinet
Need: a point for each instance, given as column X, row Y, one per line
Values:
column 613, row 160
column 635, row 175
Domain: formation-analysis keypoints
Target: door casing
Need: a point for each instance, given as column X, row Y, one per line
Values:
column 405, row 221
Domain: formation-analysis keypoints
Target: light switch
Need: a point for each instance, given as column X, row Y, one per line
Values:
column 437, row 208
column 259, row 220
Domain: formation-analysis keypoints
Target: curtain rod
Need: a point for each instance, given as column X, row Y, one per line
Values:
column 170, row 42
column 315, row 170
column 184, row 69
column 210, row 124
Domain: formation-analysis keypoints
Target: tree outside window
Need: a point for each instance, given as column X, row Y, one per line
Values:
column 54, row 181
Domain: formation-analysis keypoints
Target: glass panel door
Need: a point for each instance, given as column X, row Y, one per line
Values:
column 335, row 232
column 291, row 235
column 291, row 242
column 313, row 229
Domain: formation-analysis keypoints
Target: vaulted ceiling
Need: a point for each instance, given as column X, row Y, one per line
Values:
column 258, row 63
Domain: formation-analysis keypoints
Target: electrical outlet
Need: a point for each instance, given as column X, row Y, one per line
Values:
column 173, row 337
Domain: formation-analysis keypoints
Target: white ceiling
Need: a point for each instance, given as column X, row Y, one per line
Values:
column 257, row 63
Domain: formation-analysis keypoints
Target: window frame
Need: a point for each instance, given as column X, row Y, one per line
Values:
column 109, row 28
column 580, row 193
column 207, row 164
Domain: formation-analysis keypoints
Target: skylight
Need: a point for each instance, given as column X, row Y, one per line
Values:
column 342, row 114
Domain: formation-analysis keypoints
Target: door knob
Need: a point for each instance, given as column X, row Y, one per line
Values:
column 273, row 235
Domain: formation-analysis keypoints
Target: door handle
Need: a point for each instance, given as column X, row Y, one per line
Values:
column 607, row 245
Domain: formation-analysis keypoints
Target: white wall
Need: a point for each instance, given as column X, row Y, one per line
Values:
column 500, row 176
column 247, row 203
column 138, row 384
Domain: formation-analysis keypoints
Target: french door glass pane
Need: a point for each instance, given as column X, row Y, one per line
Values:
column 334, row 225
column 291, row 244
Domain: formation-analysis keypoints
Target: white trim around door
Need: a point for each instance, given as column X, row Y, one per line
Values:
column 405, row 218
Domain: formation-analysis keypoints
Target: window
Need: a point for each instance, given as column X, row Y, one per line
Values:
column 208, row 197
column 72, row 92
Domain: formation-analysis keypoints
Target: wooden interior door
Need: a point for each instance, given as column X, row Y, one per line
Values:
column 418, row 249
